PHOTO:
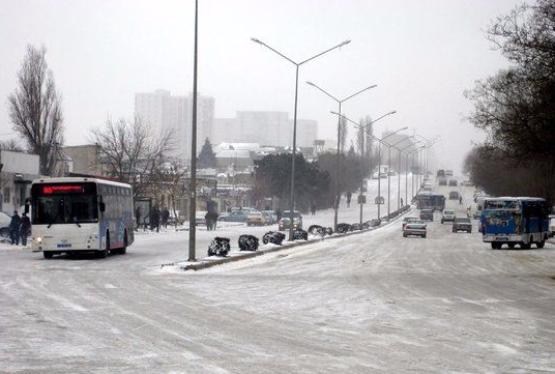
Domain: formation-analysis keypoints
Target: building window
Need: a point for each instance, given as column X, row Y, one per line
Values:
column 7, row 195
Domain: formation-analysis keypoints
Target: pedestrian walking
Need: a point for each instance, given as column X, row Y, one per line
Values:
column 402, row 202
column 138, row 213
column 349, row 195
column 165, row 216
column 460, row 200
column 24, row 229
column 155, row 219
column 15, row 223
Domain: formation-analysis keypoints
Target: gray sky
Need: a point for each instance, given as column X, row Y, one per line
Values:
column 422, row 54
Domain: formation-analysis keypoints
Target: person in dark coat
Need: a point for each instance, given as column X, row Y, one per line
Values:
column 349, row 194
column 138, row 214
column 24, row 229
column 155, row 219
column 15, row 223
column 165, row 216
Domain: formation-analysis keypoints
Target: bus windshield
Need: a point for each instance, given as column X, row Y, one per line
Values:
column 74, row 203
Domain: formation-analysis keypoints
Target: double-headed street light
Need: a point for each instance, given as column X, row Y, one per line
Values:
column 338, row 154
column 400, row 150
column 388, row 169
column 380, row 141
column 293, row 153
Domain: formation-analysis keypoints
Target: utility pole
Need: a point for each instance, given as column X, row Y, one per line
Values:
column 193, row 184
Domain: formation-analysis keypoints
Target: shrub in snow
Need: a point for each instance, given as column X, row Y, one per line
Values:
column 300, row 234
column 274, row 237
column 248, row 243
column 342, row 228
column 219, row 247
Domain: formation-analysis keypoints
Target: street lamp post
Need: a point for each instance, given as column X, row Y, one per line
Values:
column 193, row 182
column 293, row 153
column 388, row 170
column 339, row 102
column 379, row 156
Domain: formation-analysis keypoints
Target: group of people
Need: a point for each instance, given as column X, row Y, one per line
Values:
column 156, row 218
column 20, row 228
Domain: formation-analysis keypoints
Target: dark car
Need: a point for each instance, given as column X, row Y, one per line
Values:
column 453, row 182
column 462, row 224
column 442, row 182
column 235, row 216
column 427, row 215
column 285, row 222
column 454, row 195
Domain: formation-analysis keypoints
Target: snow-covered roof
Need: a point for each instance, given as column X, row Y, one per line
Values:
column 230, row 153
column 254, row 147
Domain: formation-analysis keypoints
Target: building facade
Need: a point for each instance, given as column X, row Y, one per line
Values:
column 17, row 171
column 267, row 128
column 165, row 113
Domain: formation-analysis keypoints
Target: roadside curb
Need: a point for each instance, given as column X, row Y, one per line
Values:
column 209, row 262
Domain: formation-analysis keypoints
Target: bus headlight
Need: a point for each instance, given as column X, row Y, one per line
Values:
column 39, row 240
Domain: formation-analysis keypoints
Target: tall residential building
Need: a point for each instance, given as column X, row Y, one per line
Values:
column 164, row 112
column 264, row 128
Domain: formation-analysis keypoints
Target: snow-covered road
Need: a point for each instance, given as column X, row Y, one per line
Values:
column 365, row 303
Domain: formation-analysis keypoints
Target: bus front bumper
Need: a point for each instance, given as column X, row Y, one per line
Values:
column 488, row 238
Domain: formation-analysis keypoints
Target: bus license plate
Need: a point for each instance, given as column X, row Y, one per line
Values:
column 64, row 245
column 502, row 238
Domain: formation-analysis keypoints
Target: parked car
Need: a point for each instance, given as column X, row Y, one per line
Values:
column 235, row 216
column 256, row 218
column 442, row 182
column 462, row 224
column 4, row 225
column 271, row 217
column 285, row 221
column 427, row 215
column 454, row 195
column 407, row 220
column 447, row 216
column 448, row 173
column 415, row 229
column 200, row 217
column 453, row 182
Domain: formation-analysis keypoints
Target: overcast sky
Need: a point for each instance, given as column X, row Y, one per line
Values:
column 421, row 54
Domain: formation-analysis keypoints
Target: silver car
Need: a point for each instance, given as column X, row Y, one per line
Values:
column 415, row 229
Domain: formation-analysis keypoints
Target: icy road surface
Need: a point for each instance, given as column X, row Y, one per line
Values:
column 367, row 303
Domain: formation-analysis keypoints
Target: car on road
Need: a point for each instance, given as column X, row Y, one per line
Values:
column 235, row 216
column 453, row 182
column 415, row 229
column 271, row 216
column 427, row 215
column 285, row 221
column 442, row 182
column 462, row 224
column 408, row 220
column 447, row 216
column 256, row 218
column 4, row 225
column 454, row 195
column 448, row 173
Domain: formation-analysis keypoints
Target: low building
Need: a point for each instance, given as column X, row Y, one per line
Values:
column 17, row 171
column 83, row 159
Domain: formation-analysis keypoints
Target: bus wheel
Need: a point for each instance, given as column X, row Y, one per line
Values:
column 495, row 245
column 48, row 254
column 101, row 253
column 511, row 245
column 540, row 244
column 525, row 245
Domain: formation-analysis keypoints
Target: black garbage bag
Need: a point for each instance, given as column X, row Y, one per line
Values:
column 320, row 230
column 356, row 227
column 219, row 247
column 300, row 234
column 329, row 231
column 248, row 243
column 274, row 237
column 365, row 225
column 375, row 222
column 342, row 228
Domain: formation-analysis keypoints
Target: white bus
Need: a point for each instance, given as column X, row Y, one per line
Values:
column 73, row 214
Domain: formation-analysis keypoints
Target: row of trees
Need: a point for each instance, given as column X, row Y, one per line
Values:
column 314, row 180
column 516, row 107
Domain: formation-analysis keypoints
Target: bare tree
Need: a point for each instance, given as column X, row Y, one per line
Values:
column 35, row 109
column 131, row 152
column 11, row 145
